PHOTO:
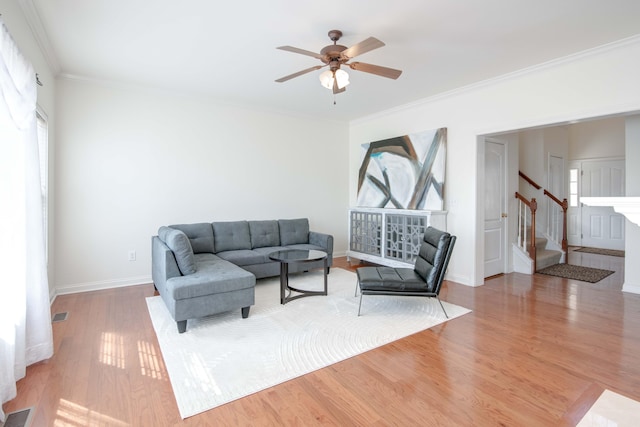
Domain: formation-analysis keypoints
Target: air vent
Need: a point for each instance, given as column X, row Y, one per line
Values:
column 21, row 418
column 59, row 317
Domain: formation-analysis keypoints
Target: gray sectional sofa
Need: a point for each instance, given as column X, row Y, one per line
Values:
column 208, row 268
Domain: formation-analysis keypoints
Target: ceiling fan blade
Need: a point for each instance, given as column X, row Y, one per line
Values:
column 300, row 51
column 362, row 47
column 390, row 73
column 336, row 89
column 299, row 73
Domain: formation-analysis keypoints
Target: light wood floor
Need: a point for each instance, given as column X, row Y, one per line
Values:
column 535, row 351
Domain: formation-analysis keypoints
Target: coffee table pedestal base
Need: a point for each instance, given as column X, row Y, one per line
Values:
column 286, row 289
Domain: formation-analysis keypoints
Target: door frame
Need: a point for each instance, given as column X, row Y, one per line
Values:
column 575, row 212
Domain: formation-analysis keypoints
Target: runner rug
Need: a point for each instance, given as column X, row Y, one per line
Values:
column 576, row 272
column 224, row 357
column 610, row 252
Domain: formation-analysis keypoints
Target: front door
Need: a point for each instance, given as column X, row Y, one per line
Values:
column 495, row 224
column 602, row 227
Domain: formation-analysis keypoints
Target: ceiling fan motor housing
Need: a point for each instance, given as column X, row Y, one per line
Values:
column 332, row 54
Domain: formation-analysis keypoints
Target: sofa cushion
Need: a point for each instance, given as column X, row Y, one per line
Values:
column 179, row 244
column 293, row 231
column 243, row 257
column 200, row 235
column 231, row 236
column 268, row 250
column 214, row 276
column 264, row 233
column 306, row 247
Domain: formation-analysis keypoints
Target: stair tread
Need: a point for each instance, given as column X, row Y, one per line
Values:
column 546, row 253
column 547, row 257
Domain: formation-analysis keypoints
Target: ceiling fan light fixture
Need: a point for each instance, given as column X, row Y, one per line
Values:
column 342, row 77
column 326, row 78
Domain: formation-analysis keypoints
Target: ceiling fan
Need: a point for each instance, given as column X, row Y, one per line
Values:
column 335, row 55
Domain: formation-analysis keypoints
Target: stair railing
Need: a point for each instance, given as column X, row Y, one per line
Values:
column 529, row 180
column 553, row 226
column 527, row 219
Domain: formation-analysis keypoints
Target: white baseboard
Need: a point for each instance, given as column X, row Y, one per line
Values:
column 460, row 279
column 104, row 284
column 631, row 288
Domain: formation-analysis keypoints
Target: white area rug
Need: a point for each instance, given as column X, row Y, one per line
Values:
column 224, row 357
column 612, row 410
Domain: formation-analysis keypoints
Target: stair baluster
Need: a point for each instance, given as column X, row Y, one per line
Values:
column 523, row 213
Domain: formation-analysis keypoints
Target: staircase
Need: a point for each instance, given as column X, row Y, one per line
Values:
column 545, row 257
column 547, row 253
column 533, row 252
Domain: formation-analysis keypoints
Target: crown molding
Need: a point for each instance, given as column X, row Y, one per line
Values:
column 37, row 29
column 503, row 78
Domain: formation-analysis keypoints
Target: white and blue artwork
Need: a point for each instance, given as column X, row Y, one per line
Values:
column 405, row 172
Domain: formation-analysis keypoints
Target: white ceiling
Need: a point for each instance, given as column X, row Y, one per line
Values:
column 226, row 50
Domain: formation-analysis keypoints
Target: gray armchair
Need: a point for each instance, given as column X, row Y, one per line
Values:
column 424, row 280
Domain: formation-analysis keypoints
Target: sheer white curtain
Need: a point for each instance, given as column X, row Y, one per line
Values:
column 25, row 317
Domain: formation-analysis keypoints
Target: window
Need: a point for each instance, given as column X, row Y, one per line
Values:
column 43, row 154
column 573, row 187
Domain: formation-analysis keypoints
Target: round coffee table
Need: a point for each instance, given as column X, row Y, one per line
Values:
column 297, row 256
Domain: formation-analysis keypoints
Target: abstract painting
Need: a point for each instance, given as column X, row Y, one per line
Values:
column 405, row 172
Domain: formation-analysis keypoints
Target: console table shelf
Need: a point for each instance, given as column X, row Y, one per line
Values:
column 390, row 237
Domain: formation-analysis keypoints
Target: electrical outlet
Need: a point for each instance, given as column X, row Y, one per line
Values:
column 132, row 255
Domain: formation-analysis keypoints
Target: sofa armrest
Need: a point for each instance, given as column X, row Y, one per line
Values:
column 163, row 264
column 323, row 240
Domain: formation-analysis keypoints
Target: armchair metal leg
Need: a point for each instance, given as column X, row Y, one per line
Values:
column 355, row 293
column 445, row 311
column 360, row 305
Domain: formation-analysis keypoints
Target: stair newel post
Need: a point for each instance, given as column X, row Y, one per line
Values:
column 565, row 244
column 532, row 248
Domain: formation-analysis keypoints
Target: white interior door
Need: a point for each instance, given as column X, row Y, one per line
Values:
column 602, row 227
column 495, row 223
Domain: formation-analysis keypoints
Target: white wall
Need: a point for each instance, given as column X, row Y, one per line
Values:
column 536, row 146
column 597, row 139
column 129, row 161
column 601, row 82
column 531, row 160
column 13, row 17
column 632, row 188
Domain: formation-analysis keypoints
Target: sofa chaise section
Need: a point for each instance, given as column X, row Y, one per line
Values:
column 213, row 285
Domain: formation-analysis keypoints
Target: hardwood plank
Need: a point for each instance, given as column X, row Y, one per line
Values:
column 536, row 350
